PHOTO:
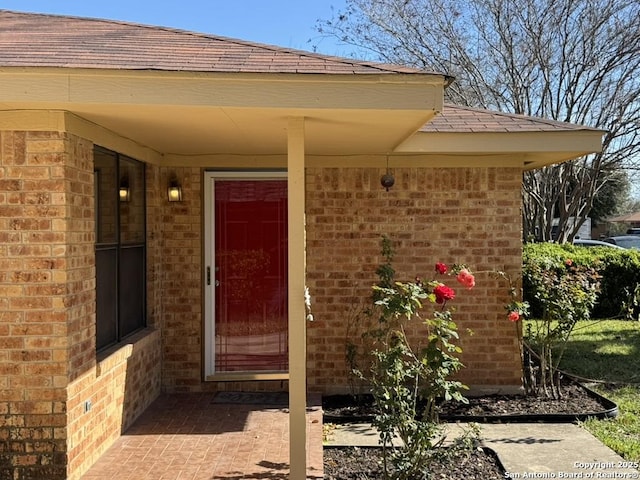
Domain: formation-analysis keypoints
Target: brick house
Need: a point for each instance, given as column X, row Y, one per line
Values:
column 111, row 292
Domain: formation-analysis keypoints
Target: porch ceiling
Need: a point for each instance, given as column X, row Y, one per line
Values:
column 212, row 114
column 193, row 131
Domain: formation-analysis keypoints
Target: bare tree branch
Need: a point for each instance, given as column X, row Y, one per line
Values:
column 576, row 61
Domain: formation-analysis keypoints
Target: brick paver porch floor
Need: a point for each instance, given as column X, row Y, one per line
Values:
column 187, row 437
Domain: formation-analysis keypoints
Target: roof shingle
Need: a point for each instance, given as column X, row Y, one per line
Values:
column 459, row 119
column 42, row 40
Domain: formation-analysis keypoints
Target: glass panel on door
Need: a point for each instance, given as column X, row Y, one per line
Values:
column 250, row 276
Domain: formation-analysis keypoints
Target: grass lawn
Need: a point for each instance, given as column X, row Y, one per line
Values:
column 609, row 351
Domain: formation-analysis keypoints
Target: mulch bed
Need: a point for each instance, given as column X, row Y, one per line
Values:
column 576, row 401
column 358, row 463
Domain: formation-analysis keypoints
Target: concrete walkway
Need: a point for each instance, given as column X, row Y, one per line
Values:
column 527, row 450
column 566, row 450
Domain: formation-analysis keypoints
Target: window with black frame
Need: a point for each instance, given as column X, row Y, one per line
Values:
column 120, row 247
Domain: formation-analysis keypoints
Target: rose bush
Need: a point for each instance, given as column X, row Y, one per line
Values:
column 408, row 379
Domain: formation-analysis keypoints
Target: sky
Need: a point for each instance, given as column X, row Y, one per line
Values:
column 285, row 23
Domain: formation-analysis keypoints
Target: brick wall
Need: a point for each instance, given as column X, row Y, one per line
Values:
column 79, row 226
column 48, row 366
column 459, row 215
column 119, row 389
column 155, row 202
column 103, row 401
column 181, row 282
column 44, row 296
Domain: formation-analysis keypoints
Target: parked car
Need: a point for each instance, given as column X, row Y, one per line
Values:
column 583, row 242
column 633, row 231
column 625, row 241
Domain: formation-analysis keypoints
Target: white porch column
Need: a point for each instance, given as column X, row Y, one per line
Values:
column 297, row 312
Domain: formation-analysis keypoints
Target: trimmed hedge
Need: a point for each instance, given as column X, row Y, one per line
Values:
column 620, row 271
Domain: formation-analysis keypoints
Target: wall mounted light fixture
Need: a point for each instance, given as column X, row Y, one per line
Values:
column 124, row 192
column 174, row 191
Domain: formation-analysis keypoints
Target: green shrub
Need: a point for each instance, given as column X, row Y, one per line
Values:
column 619, row 270
column 567, row 294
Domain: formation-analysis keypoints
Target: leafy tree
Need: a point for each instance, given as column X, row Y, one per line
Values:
column 574, row 61
column 612, row 198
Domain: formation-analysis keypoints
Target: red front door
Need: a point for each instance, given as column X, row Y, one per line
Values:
column 250, row 276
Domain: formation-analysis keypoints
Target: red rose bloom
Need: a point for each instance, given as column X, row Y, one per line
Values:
column 441, row 268
column 443, row 293
column 466, row 278
column 514, row 316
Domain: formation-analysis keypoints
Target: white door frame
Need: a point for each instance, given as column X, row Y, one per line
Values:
column 208, row 277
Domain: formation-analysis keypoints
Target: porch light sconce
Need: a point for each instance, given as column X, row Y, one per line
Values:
column 124, row 192
column 174, row 191
column 387, row 180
